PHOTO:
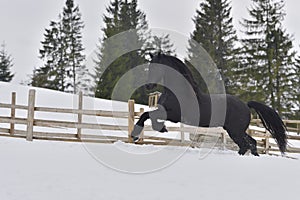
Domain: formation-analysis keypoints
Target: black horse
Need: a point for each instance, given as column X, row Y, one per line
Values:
column 182, row 101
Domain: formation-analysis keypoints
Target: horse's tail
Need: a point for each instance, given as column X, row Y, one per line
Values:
column 272, row 122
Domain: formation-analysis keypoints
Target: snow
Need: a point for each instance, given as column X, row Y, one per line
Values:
column 60, row 170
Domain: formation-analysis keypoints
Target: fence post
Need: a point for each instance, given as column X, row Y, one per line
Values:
column 142, row 133
column 155, row 100
column 223, row 138
column 181, row 132
column 80, row 105
column 13, row 113
column 30, row 115
column 130, row 118
column 149, row 101
column 267, row 144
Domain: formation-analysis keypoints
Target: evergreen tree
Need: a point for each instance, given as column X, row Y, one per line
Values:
column 215, row 33
column 163, row 44
column 72, row 29
column 39, row 78
column 295, row 112
column 121, row 16
column 53, row 74
column 5, row 65
column 62, row 53
column 268, row 58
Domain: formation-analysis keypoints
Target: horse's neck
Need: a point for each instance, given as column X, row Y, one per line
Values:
column 189, row 77
column 200, row 94
column 184, row 90
column 191, row 88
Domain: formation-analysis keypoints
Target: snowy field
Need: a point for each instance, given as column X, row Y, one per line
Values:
column 42, row 170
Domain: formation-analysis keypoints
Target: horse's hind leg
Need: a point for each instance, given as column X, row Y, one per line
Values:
column 245, row 142
column 239, row 139
column 252, row 143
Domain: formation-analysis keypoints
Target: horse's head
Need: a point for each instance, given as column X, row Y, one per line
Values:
column 156, row 71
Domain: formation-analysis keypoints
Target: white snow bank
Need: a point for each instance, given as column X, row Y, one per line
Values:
column 58, row 170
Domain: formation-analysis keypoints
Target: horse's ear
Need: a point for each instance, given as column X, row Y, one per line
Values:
column 151, row 55
column 159, row 54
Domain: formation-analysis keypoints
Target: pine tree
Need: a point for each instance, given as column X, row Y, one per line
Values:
column 5, row 65
column 62, row 53
column 268, row 65
column 163, row 44
column 52, row 74
column 121, row 16
column 72, row 30
column 215, row 33
column 295, row 111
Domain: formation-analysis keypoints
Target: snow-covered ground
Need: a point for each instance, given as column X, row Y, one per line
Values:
column 58, row 170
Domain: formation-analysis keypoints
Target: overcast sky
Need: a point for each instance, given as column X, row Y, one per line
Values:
column 22, row 23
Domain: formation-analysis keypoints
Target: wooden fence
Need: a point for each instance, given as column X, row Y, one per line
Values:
column 187, row 136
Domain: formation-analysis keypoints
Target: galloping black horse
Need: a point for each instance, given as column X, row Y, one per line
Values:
column 182, row 101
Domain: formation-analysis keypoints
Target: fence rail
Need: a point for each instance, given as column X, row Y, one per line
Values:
column 198, row 137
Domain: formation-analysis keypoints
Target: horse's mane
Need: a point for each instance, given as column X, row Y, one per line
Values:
column 179, row 66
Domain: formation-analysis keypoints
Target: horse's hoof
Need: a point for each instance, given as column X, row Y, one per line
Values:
column 255, row 153
column 160, row 127
column 242, row 151
column 163, row 130
column 135, row 139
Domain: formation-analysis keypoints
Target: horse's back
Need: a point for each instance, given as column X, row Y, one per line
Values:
column 226, row 111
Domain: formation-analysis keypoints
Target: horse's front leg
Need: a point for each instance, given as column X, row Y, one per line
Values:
column 155, row 115
column 139, row 126
column 157, row 119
